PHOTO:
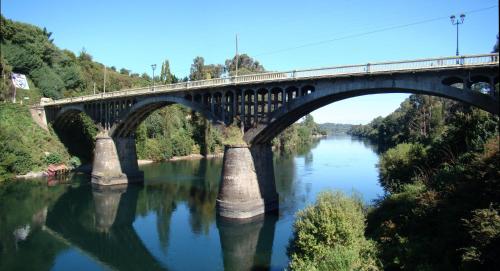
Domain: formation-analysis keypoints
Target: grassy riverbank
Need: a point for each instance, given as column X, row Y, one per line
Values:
column 24, row 145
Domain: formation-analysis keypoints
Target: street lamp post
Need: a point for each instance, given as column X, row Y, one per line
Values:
column 153, row 66
column 457, row 22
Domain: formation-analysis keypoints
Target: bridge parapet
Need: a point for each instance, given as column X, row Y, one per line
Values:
column 418, row 65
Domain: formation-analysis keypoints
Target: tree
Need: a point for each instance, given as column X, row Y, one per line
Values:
column 48, row 81
column 329, row 235
column 246, row 65
column 20, row 58
column 124, row 71
column 84, row 56
column 146, row 76
column 197, row 69
column 166, row 77
column 200, row 71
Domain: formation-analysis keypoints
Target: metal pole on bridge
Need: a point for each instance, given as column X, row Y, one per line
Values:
column 236, row 74
column 457, row 22
column 104, row 88
column 153, row 66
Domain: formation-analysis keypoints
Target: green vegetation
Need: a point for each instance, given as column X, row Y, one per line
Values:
column 171, row 131
column 55, row 73
column 441, row 173
column 329, row 235
column 27, row 210
column 298, row 135
column 335, row 128
column 419, row 118
column 25, row 146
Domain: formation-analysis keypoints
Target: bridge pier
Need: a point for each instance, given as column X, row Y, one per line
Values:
column 247, row 187
column 115, row 161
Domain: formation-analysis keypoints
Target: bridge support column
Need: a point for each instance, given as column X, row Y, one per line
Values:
column 115, row 161
column 247, row 187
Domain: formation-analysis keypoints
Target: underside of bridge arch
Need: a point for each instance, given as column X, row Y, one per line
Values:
column 128, row 123
column 76, row 130
column 301, row 106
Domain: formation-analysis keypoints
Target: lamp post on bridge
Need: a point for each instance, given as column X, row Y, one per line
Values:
column 457, row 22
column 153, row 66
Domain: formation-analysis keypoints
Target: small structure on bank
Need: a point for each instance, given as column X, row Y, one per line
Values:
column 57, row 170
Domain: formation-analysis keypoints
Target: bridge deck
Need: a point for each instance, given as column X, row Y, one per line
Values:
column 418, row 65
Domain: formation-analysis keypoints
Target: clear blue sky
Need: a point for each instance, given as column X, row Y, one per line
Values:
column 136, row 34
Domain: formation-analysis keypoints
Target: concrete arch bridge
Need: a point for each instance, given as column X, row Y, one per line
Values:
column 264, row 105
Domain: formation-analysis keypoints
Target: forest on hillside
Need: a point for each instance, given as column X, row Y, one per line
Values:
column 58, row 73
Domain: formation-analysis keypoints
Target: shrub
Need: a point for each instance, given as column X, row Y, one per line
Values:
column 484, row 230
column 329, row 235
column 399, row 165
column 48, row 81
column 53, row 158
column 20, row 59
column 75, row 161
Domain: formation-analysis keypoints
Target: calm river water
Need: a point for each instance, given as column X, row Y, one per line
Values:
column 170, row 223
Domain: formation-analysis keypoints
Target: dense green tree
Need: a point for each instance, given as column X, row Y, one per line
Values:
column 166, row 77
column 48, row 81
column 200, row 71
column 329, row 235
column 84, row 56
column 124, row 71
column 246, row 65
column 21, row 59
column 400, row 165
column 443, row 156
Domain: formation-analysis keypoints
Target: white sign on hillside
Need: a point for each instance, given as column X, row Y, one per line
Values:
column 19, row 81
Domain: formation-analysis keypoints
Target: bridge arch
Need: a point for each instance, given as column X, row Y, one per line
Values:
column 130, row 120
column 74, row 126
column 327, row 93
column 66, row 115
column 452, row 80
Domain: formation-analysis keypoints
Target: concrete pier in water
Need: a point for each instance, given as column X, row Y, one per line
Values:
column 115, row 161
column 247, row 187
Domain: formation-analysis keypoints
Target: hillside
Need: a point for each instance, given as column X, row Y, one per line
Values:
column 53, row 72
column 57, row 73
column 24, row 145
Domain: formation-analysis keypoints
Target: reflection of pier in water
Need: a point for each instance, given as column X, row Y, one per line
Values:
column 247, row 245
column 104, row 233
column 97, row 221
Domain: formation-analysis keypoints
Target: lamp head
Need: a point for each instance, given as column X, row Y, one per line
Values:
column 462, row 17
column 452, row 18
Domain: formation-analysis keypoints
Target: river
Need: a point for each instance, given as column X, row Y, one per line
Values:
column 170, row 223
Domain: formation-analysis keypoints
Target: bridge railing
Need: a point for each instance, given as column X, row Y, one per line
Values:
column 380, row 67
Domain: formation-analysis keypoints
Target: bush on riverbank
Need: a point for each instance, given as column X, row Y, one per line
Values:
column 444, row 191
column 329, row 235
column 449, row 223
column 399, row 165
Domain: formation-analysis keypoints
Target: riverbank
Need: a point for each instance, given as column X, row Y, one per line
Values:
column 88, row 168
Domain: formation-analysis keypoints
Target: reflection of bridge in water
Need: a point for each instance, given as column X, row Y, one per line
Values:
column 105, row 232
column 98, row 221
